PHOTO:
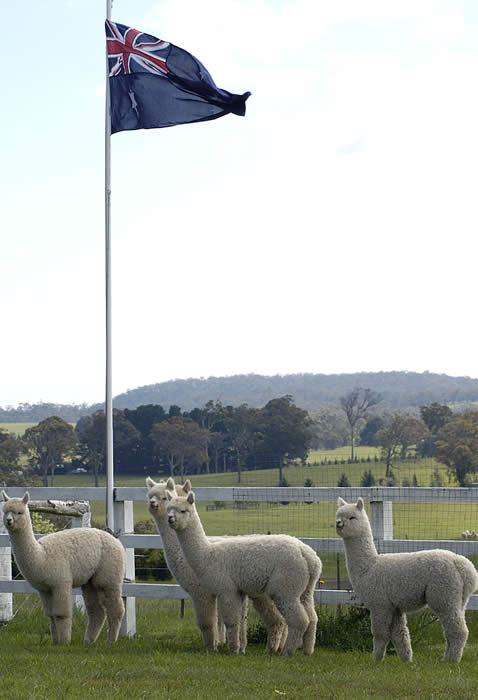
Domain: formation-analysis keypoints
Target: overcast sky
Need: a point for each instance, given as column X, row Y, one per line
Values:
column 332, row 229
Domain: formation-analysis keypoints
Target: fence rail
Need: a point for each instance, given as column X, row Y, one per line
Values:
column 381, row 501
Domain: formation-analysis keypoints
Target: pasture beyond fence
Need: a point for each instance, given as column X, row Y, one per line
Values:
column 317, row 507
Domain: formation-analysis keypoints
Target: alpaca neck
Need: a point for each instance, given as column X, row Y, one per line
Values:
column 195, row 545
column 360, row 554
column 29, row 554
column 168, row 536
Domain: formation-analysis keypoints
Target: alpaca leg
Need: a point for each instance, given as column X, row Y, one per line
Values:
column 400, row 636
column 308, row 643
column 221, row 629
column 231, row 610
column 456, row 634
column 112, row 601
column 46, row 600
column 297, row 622
column 243, row 628
column 273, row 622
column 381, row 631
column 61, row 609
column 205, row 612
column 96, row 613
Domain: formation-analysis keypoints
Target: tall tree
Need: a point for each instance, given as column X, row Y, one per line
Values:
column 398, row 435
column 211, row 418
column 177, row 439
column 356, row 406
column 368, row 434
column 91, row 431
column 330, row 429
column 435, row 416
column 143, row 418
column 285, row 431
column 239, row 423
column 457, row 445
column 50, row 442
column 11, row 448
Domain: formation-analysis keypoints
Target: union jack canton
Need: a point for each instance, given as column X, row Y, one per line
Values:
column 154, row 83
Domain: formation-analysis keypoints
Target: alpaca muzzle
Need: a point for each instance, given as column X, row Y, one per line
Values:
column 171, row 519
column 8, row 519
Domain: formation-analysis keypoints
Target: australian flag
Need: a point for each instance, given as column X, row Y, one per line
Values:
column 154, row 83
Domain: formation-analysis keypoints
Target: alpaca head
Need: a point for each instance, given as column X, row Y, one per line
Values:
column 157, row 495
column 180, row 510
column 16, row 515
column 351, row 519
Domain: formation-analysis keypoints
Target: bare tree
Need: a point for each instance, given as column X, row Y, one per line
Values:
column 356, row 405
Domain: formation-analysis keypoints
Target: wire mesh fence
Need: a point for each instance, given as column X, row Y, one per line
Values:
column 427, row 504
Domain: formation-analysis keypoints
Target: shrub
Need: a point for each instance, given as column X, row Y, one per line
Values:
column 347, row 628
column 367, row 479
column 42, row 525
column 343, row 481
column 150, row 563
column 308, row 483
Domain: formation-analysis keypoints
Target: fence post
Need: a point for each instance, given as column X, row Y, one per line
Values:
column 124, row 523
column 381, row 520
column 6, row 599
column 83, row 520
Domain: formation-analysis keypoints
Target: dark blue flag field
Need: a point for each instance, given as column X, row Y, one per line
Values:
column 155, row 84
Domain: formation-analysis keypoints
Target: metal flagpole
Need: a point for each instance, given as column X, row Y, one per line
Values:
column 108, row 398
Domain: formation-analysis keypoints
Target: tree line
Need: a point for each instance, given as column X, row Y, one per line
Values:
column 217, row 438
column 313, row 392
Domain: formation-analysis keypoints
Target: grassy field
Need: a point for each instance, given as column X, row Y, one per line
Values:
column 413, row 521
column 16, row 428
column 166, row 660
column 422, row 521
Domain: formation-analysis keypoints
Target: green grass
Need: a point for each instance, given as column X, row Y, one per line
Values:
column 166, row 660
column 411, row 520
column 361, row 452
column 17, row 428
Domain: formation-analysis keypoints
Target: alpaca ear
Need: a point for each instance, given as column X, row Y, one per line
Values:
column 341, row 502
column 170, row 485
column 187, row 486
column 5, row 497
column 169, row 495
column 150, row 483
column 360, row 503
column 191, row 497
column 26, row 497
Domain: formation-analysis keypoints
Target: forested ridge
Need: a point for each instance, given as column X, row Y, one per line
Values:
column 399, row 390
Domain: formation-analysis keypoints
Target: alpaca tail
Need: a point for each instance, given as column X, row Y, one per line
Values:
column 314, row 565
column 468, row 575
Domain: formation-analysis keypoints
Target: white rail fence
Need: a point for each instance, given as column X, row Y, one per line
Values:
column 381, row 501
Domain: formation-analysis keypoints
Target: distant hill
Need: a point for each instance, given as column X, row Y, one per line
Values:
column 310, row 391
column 399, row 390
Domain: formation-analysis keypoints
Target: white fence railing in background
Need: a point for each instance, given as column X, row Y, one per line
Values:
column 381, row 501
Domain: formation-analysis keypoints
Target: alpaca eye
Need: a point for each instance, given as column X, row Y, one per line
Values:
column 183, row 511
column 353, row 517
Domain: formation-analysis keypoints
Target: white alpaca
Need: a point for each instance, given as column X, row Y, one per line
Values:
column 56, row 563
column 390, row 585
column 279, row 566
column 204, row 602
